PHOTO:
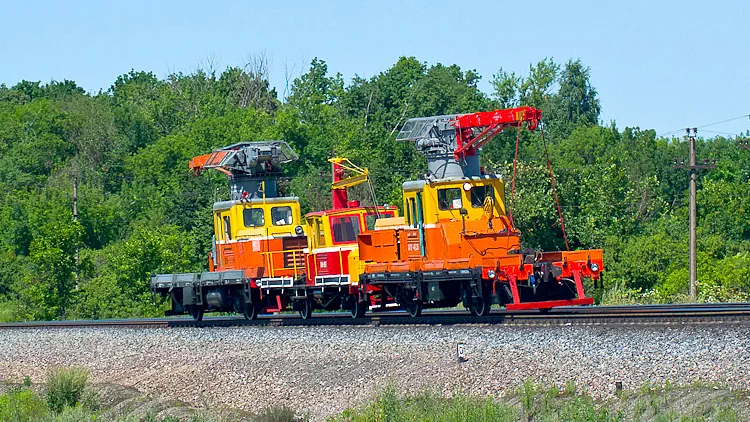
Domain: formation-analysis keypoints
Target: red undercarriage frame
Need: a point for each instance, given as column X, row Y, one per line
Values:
column 575, row 270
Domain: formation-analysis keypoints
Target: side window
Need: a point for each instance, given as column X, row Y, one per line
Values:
column 413, row 218
column 281, row 216
column 479, row 193
column 370, row 219
column 319, row 233
column 345, row 229
column 449, row 199
column 253, row 217
column 227, row 229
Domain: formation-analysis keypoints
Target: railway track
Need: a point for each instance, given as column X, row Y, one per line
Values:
column 731, row 313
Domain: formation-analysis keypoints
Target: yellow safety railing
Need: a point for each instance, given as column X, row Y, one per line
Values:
column 297, row 261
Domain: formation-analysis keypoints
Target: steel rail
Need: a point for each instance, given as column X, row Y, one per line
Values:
column 594, row 315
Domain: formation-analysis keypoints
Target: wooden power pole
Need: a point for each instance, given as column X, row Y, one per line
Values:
column 693, row 212
column 75, row 219
column 693, row 168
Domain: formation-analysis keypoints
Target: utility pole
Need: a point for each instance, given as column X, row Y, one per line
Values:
column 75, row 219
column 693, row 255
column 693, row 169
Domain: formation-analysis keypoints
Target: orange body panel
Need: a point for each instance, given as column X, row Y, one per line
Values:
column 275, row 257
column 447, row 246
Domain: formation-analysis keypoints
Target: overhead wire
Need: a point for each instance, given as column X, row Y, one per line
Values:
column 719, row 133
column 707, row 125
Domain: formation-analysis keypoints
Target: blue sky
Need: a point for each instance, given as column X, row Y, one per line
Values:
column 661, row 65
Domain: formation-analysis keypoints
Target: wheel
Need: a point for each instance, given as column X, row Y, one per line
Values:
column 480, row 307
column 196, row 311
column 306, row 308
column 357, row 308
column 414, row 308
column 251, row 310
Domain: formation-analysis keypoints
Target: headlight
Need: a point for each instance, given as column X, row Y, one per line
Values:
column 594, row 267
column 491, row 274
column 298, row 230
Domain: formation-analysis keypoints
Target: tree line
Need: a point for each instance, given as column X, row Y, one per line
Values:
column 141, row 212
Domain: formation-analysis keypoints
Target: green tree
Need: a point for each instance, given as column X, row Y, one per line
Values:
column 575, row 103
column 50, row 286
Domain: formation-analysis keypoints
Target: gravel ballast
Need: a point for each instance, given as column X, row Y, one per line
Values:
column 324, row 370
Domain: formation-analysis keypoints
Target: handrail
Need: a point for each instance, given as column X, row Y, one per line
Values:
column 296, row 253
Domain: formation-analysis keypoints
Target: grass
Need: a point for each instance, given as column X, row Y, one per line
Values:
column 278, row 414
column 532, row 402
column 427, row 407
column 69, row 399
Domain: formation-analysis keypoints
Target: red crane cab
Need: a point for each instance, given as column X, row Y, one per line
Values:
column 333, row 258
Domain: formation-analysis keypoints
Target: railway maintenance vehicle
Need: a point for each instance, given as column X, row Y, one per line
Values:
column 457, row 242
column 262, row 259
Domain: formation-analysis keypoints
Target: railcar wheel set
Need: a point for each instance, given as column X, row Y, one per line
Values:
column 455, row 243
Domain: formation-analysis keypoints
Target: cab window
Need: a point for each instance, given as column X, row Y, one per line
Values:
column 345, row 229
column 253, row 217
column 478, row 195
column 318, row 233
column 281, row 216
column 371, row 218
column 449, row 199
column 370, row 221
column 227, row 229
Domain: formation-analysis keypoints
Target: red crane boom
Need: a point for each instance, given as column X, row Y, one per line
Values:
column 491, row 123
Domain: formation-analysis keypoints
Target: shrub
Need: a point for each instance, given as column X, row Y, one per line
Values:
column 21, row 405
column 7, row 312
column 527, row 394
column 65, row 387
column 584, row 409
column 618, row 294
column 570, row 388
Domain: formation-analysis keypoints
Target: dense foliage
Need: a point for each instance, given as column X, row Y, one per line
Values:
column 141, row 212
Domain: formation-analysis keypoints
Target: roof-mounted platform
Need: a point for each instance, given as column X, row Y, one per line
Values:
column 252, row 167
column 247, row 158
column 451, row 143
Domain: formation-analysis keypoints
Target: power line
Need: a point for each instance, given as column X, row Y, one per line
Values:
column 707, row 125
column 720, row 133
column 724, row 121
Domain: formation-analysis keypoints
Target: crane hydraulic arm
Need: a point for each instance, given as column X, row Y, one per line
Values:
column 451, row 143
column 341, row 182
column 361, row 174
column 489, row 124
